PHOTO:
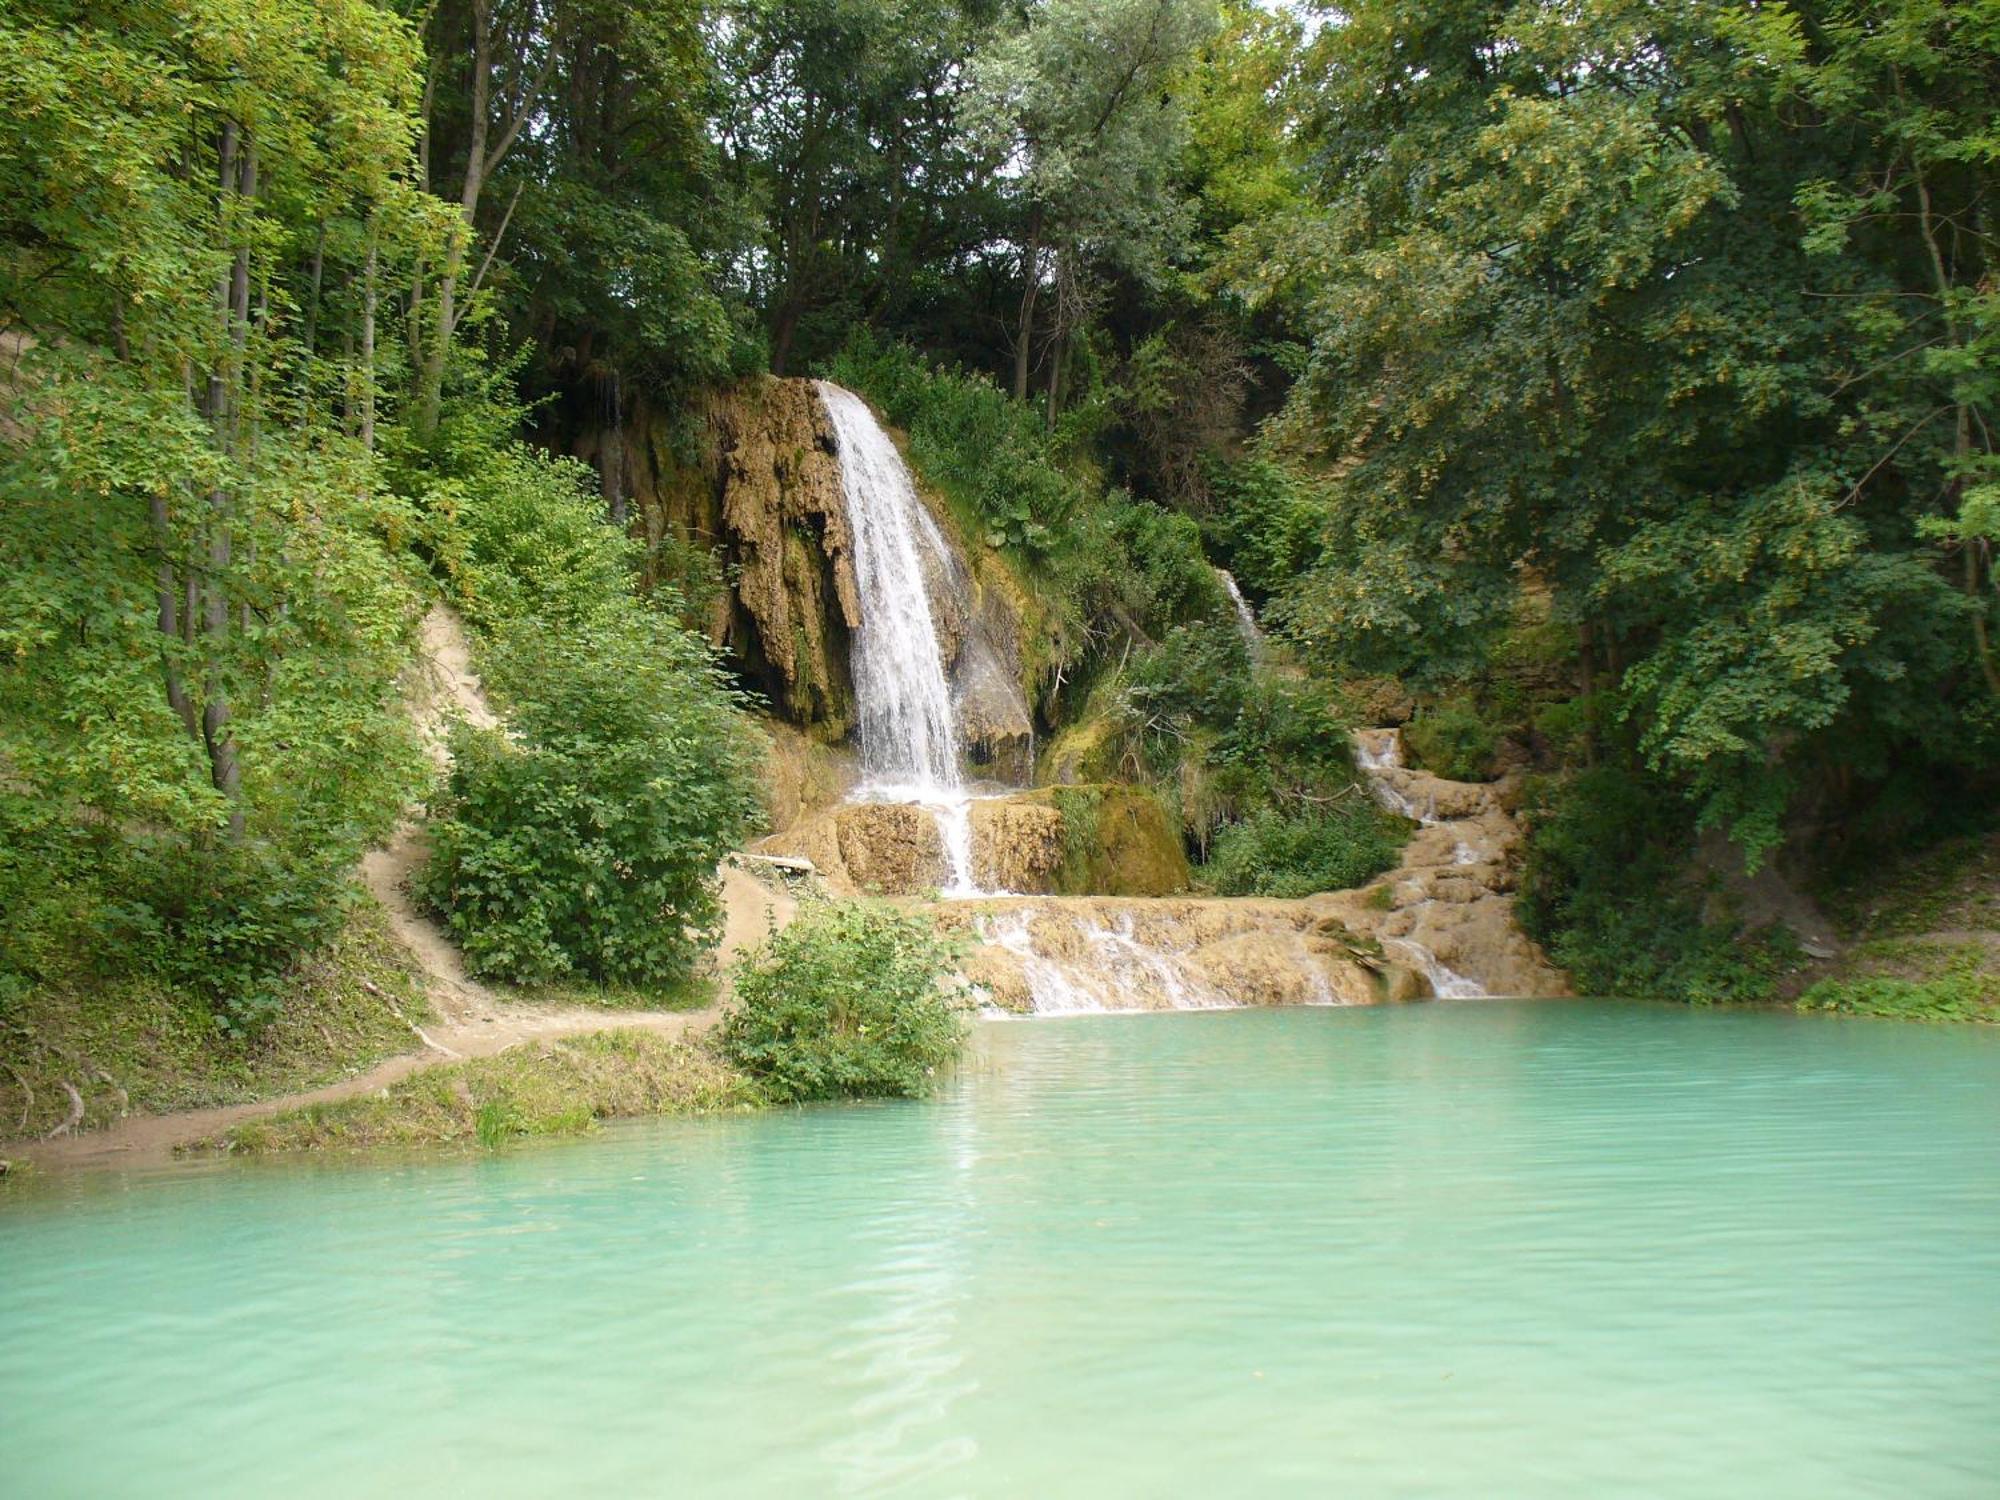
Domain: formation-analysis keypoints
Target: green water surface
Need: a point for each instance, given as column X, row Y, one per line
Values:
column 1476, row 1249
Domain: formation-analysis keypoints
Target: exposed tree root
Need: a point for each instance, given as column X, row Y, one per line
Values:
column 75, row 1111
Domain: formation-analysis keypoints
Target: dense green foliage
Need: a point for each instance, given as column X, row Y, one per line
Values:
column 849, row 1001
column 581, row 839
column 1688, row 309
column 1609, row 889
column 1274, row 853
column 205, row 614
column 1455, row 740
column 250, row 415
column 1619, row 378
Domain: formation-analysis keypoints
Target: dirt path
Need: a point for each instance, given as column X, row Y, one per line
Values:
column 150, row 1140
column 467, row 1019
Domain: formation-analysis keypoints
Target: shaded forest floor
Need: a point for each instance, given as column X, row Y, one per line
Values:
column 1921, row 936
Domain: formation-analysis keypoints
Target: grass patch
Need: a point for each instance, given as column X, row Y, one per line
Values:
column 1913, row 979
column 693, row 992
column 563, row 1086
column 1910, row 979
column 138, row 1046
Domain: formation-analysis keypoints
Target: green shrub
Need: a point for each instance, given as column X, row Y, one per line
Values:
column 524, row 535
column 1928, row 981
column 1454, row 741
column 1291, row 738
column 849, row 1001
column 1196, row 674
column 1291, row 854
column 1607, row 887
column 582, row 841
column 1267, row 522
column 217, row 922
column 992, row 456
column 1152, row 562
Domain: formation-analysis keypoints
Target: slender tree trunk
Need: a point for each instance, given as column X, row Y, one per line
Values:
column 1586, row 658
column 614, row 454
column 311, row 334
column 368, row 296
column 430, row 370
column 1058, row 356
column 1024, row 332
column 783, row 330
column 481, row 162
column 238, row 188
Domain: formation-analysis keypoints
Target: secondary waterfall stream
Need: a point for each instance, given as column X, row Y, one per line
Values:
column 908, row 732
column 1375, row 760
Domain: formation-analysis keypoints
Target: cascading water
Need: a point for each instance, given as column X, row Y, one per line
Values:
column 909, row 734
column 1377, row 752
column 1246, row 619
column 1108, row 967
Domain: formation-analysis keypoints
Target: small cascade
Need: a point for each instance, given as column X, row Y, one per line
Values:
column 1246, row 620
column 1379, row 750
column 1378, row 753
column 908, row 731
column 1445, row 983
column 1106, row 968
column 1087, row 954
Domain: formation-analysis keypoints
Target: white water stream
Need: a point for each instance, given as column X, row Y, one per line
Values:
column 1246, row 618
column 909, row 734
column 1446, row 983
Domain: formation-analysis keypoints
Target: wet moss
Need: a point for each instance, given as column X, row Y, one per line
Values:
column 1117, row 841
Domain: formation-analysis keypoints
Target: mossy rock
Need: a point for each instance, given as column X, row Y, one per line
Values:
column 1086, row 751
column 1116, row 841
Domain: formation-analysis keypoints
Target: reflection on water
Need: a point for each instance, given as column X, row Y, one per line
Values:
column 1479, row 1249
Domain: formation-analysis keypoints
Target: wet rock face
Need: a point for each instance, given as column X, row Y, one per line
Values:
column 1452, row 895
column 749, row 474
column 1100, row 840
column 796, row 604
column 1105, row 840
column 754, row 474
column 802, row 776
column 1104, row 953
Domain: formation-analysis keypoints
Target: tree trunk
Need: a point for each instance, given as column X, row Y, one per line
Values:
column 310, row 337
column 238, row 184
column 783, row 328
column 368, row 296
column 481, row 162
column 1058, row 356
column 1024, row 333
column 611, row 455
column 1586, row 656
column 430, row 373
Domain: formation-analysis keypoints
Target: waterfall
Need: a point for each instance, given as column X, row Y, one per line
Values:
column 1101, row 965
column 1246, row 621
column 1376, row 753
column 909, row 734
